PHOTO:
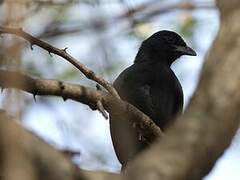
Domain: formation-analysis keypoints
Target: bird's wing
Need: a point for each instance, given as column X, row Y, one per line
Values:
column 133, row 86
column 163, row 104
column 178, row 98
column 141, row 98
column 167, row 97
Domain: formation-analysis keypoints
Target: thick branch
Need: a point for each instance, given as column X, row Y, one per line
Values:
column 190, row 148
column 62, row 53
column 84, row 95
column 25, row 156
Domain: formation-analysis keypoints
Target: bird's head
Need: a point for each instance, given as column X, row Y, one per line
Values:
column 165, row 46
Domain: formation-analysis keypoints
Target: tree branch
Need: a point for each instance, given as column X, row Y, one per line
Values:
column 26, row 156
column 88, row 96
column 153, row 8
column 147, row 11
column 42, row 3
column 62, row 53
column 192, row 145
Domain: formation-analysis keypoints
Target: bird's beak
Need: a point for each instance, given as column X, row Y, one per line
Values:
column 185, row 50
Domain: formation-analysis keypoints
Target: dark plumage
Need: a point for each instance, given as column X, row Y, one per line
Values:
column 151, row 86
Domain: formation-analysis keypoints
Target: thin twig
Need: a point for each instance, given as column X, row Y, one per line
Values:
column 145, row 10
column 42, row 3
column 62, row 53
column 102, row 110
column 152, row 8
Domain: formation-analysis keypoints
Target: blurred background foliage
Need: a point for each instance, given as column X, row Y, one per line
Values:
column 105, row 36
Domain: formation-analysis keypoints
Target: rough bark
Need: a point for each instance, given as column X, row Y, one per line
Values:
column 192, row 146
column 85, row 95
column 24, row 156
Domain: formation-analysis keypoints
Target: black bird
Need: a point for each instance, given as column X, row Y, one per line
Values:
column 151, row 86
